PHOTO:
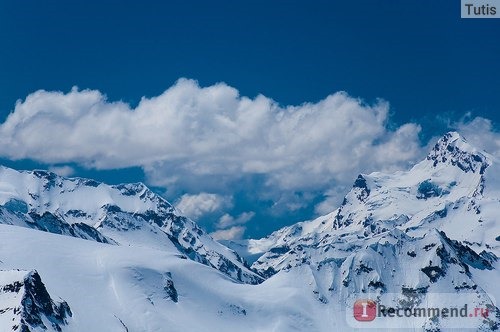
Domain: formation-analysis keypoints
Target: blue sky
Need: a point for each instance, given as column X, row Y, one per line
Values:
column 285, row 160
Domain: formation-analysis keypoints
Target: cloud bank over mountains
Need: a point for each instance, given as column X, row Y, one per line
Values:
column 209, row 142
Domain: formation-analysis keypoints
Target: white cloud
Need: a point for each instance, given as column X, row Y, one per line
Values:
column 211, row 143
column 227, row 220
column 233, row 233
column 195, row 206
column 480, row 133
column 331, row 201
column 62, row 170
column 210, row 139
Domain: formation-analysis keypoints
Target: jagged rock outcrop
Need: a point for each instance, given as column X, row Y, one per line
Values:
column 26, row 305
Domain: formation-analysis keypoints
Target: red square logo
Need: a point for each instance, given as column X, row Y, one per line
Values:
column 365, row 310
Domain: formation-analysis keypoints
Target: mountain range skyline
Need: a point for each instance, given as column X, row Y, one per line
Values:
column 247, row 180
column 425, row 235
column 249, row 116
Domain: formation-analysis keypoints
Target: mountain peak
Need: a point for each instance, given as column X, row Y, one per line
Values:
column 450, row 140
column 26, row 304
column 454, row 149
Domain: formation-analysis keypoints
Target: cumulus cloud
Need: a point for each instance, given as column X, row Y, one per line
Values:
column 227, row 220
column 194, row 206
column 480, row 133
column 331, row 200
column 233, row 233
column 207, row 131
column 204, row 140
column 62, row 170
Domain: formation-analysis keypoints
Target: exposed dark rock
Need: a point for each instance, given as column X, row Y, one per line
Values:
column 36, row 307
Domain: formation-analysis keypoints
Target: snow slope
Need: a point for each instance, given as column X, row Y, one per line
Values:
column 111, row 287
column 128, row 214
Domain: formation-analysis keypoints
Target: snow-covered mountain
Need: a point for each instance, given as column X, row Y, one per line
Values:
column 433, row 228
column 455, row 190
column 425, row 236
column 128, row 214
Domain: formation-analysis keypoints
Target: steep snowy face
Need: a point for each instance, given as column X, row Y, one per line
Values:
column 454, row 150
column 431, row 229
column 25, row 304
column 127, row 214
